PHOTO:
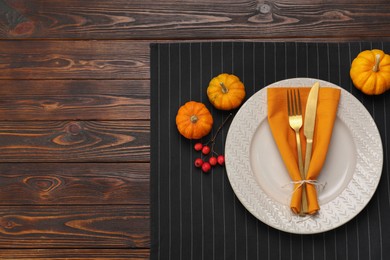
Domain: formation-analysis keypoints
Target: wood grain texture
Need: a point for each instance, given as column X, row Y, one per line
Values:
column 74, row 227
column 74, row 60
column 122, row 19
column 74, row 141
column 80, row 254
column 74, row 99
column 74, row 183
column 74, row 112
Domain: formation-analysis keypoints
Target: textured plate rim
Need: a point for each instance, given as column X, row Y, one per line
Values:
column 334, row 213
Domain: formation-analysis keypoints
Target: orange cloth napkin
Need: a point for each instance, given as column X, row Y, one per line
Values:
column 284, row 137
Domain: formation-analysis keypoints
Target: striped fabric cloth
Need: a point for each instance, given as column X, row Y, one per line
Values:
column 196, row 215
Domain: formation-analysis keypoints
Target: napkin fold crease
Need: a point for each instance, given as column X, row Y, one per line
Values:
column 284, row 137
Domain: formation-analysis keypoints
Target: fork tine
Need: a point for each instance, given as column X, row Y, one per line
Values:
column 295, row 105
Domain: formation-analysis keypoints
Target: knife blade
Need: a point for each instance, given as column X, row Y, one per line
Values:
column 310, row 119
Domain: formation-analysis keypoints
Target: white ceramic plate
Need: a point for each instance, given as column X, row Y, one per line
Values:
column 256, row 172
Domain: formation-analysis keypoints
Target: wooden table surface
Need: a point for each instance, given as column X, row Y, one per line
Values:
column 75, row 107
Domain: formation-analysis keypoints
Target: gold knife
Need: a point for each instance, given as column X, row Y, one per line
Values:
column 310, row 119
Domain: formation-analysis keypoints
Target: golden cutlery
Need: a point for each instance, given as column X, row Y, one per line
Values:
column 295, row 120
column 310, row 119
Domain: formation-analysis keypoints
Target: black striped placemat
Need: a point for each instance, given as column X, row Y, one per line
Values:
column 196, row 215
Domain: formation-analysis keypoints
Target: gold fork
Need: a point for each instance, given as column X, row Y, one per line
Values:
column 295, row 120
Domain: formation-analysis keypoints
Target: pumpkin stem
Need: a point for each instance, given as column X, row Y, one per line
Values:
column 224, row 88
column 376, row 66
column 194, row 119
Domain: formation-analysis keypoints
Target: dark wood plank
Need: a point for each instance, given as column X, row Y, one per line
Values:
column 74, row 141
column 74, row 60
column 74, row 227
column 122, row 19
column 101, row 59
column 74, row 183
column 74, row 99
column 80, row 254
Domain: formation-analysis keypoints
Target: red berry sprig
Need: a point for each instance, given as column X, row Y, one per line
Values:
column 198, row 162
column 206, row 150
column 206, row 167
column 213, row 160
column 221, row 159
column 198, row 147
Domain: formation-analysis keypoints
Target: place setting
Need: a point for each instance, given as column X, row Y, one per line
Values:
column 263, row 146
column 262, row 151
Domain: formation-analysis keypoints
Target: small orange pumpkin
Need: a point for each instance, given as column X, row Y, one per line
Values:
column 194, row 120
column 370, row 72
column 226, row 91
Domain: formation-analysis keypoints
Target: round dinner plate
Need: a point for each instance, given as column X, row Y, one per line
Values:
column 349, row 178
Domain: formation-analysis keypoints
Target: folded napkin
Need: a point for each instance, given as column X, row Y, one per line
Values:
column 284, row 137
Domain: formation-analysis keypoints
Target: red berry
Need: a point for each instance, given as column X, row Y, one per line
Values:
column 198, row 146
column 213, row 161
column 221, row 159
column 198, row 162
column 206, row 149
column 206, row 167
